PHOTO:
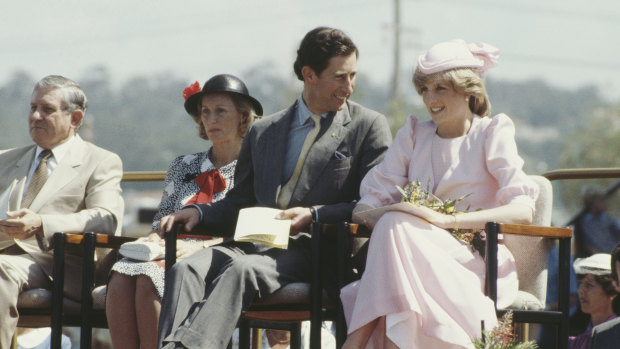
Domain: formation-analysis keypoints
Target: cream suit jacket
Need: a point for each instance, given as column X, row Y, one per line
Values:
column 82, row 194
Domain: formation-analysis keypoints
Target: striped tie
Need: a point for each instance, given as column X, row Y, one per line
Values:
column 287, row 189
column 38, row 179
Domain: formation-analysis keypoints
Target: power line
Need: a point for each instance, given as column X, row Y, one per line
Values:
column 512, row 7
column 573, row 62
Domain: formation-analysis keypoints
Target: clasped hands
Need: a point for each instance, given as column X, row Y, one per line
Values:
column 21, row 224
column 300, row 218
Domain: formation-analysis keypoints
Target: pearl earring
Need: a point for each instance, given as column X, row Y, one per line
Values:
column 467, row 99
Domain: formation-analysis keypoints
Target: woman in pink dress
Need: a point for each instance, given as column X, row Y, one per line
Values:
column 422, row 287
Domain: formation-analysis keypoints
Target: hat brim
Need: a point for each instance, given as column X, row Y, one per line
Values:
column 191, row 104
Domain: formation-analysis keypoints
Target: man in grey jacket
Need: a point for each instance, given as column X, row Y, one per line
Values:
column 309, row 161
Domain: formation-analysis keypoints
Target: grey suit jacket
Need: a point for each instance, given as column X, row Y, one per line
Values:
column 82, row 194
column 606, row 335
column 326, row 181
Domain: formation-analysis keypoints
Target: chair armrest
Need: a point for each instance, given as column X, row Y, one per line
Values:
column 100, row 240
column 564, row 236
column 531, row 230
column 171, row 243
column 352, row 230
column 493, row 229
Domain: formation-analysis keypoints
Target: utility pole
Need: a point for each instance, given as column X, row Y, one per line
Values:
column 396, row 63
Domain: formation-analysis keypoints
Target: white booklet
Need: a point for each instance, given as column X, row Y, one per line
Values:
column 10, row 200
column 258, row 224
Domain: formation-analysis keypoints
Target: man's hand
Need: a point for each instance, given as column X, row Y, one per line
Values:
column 22, row 224
column 188, row 216
column 300, row 218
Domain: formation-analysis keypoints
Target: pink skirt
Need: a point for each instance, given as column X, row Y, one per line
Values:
column 425, row 286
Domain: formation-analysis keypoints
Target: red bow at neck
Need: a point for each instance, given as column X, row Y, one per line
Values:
column 210, row 183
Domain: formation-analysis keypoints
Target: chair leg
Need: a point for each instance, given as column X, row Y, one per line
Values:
column 60, row 240
column 244, row 335
column 295, row 336
column 14, row 344
column 257, row 338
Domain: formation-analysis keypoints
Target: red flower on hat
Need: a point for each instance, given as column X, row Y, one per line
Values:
column 191, row 90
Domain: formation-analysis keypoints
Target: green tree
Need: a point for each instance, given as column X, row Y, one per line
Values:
column 595, row 145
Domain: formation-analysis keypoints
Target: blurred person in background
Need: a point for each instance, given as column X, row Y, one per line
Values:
column 598, row 231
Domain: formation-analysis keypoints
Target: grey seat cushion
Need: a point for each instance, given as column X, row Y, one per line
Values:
column 35, row 298
column 99, row 294
column 294, row 293
column 40, row 298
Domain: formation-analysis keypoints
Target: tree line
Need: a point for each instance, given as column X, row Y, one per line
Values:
column 143, row 119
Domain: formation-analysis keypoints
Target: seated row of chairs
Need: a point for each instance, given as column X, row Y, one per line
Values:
column 530, row 244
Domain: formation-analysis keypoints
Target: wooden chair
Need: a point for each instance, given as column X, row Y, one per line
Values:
column 43, row 307
column 530, row 245
column 296, row 302
column 87, row 314
column 49, row 308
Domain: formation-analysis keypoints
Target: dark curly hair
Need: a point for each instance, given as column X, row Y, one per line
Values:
column 609, row 287
column 318, row 46
column 615, row 257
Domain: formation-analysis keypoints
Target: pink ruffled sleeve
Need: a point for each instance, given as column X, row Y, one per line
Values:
column 378, row 188
column 505, row 164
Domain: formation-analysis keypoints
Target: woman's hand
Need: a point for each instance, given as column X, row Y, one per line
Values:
column 359, row 208
column 438, row 219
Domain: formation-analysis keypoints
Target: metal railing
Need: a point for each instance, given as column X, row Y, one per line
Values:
column 583, row 173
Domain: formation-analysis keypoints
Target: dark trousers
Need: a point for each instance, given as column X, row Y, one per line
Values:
column 206, row 294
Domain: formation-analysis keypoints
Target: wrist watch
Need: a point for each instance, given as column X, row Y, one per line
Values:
column 314, row 213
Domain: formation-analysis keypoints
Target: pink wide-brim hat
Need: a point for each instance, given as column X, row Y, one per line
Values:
column 458, row 54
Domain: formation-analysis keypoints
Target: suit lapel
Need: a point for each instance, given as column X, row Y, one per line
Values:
column 320, row 153
column 273, row 144
column 64, row 173
column 21, row 166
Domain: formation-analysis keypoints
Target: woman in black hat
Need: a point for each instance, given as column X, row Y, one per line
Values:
column 223, row 111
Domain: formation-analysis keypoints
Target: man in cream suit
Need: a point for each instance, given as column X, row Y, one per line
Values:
column 79, row 191
column 206, row 293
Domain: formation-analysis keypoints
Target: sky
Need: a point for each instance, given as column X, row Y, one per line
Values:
column 569, row 44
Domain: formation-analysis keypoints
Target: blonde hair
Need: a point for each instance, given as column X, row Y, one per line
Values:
column 463, row 80
column 243, row 106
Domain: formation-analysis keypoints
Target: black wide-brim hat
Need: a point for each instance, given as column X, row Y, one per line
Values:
column 223, row 83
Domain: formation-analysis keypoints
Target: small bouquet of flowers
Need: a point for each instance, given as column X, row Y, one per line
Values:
column 415, row 194
column 502, row 337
